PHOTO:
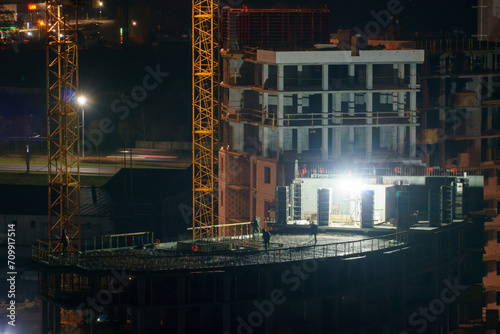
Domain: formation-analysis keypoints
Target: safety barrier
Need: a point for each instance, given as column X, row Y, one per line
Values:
column 151, row 260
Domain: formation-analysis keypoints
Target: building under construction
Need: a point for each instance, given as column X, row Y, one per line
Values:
column 364, row 280
column 314, row 130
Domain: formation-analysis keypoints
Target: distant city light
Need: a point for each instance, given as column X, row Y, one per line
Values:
column 134, row 23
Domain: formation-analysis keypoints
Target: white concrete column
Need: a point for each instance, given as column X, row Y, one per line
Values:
column 337, row 107
column 394, row 138
column 324, row 82
column 265, row 75
column 265, row 142
column 351, row 139
column 337, row 141
column 401, row 139
column 281, row 138
column 324, row 130
column 351, row 104
column 413, row 110
column 281, row 78
column 299, row 75
column 287, row 138
column 369, row 76
column 352, row 74
column 413, row 141
column 237, row 142
column 401, row 73
column 369, row 129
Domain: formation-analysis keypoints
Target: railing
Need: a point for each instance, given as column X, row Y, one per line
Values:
column 147, row 259
column 326, row 171
column 332, row 118
column 44, row 249
column 456, row 44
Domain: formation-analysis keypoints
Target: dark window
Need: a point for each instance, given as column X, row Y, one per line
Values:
column 498, row 177
column 89, row 226
column 267, row 174
column 486, row 177
column 498, row 237
column 498, row 298
column 498, row 268
column 33, row 224
column 221, row 198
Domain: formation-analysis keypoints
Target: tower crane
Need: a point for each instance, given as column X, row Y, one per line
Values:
column 205, row 49
column 62, row 123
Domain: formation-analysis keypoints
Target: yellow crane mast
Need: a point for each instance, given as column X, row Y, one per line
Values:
column 62, row 123
column 205, row 48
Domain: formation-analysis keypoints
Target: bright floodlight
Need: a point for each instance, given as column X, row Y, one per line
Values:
column 82, row 100
column 351, row 185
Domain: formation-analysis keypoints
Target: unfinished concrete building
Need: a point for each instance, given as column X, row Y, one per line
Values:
column 293, row 111
column 460, row 122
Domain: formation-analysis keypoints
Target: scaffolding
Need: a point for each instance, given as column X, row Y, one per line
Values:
column 62, row 123
column 274, row 29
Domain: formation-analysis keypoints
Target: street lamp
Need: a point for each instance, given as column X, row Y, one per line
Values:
column 100, row 10
column 81, row 101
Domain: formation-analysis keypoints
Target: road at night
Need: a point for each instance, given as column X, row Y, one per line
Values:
column 99, row 170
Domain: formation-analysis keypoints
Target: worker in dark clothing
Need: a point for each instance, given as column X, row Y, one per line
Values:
column 65, row 242
column 314, row 231
column 255, row 227
column 267, row 237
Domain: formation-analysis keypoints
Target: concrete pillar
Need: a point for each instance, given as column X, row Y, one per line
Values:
column 299, row 111
column 302, row 139
column 413, row 141
column 351, row 104
column 281, row 78
column 279, row 123
column 265, row 134
column 369, row 140
column 265, row 142
column 352, row 73
column 401, row 139
column 369, row 129
column 237, row 139
column 369, row 76
column 394, row 138
column 324, row 130
column 351, row 139
column 337, row 142
column 299, row 75
column 324, row 81
column 337, row 131
column 287, row 138
column 413, row 110
column 401, row 74
column 265, row 75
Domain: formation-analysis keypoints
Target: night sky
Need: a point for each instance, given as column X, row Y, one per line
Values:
column 108, row 73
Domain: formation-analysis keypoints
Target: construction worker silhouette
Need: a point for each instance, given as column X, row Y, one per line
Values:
column 255, row 227
column 65, row 242
column 267, row 237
